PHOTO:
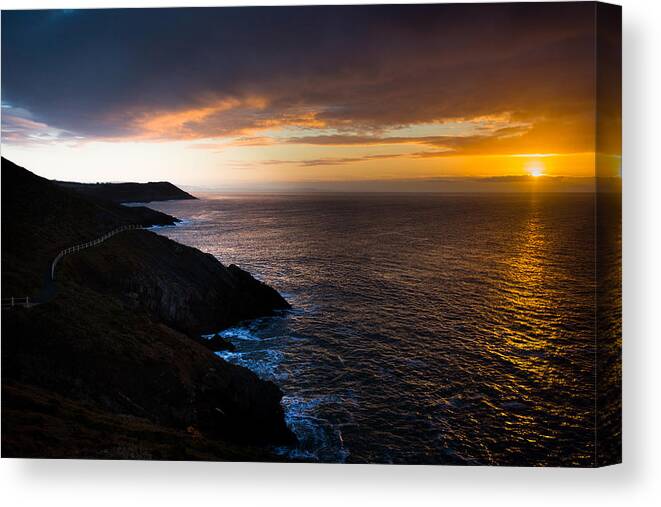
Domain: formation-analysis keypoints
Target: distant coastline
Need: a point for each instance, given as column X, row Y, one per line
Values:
column 128, row 192
column 437, row 185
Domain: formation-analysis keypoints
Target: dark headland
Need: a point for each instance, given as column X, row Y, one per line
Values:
column 111, row 364
column 128, row 192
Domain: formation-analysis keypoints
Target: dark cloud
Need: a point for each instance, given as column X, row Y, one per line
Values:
column 345, row 160
column 497, row 141
column 563, row 135
column 198, row 73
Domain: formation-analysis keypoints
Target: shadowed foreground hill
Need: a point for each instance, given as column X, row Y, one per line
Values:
column 111, row 367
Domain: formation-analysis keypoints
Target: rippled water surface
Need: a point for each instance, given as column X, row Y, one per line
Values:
column 425, row 328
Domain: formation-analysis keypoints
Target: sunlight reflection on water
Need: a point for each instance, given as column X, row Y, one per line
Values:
column 425, row 329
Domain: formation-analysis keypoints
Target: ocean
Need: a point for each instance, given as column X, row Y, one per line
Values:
column 425, row 328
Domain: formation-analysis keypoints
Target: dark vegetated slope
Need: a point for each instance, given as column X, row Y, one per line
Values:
column 90, row 348
column 44, row 416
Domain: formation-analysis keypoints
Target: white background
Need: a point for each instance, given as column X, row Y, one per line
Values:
column 636, row 482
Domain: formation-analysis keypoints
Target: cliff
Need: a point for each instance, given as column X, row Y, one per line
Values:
column 186, row 289
column 112, row 366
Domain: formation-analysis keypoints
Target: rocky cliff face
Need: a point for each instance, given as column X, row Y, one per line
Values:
column 111, row 367
column 90, row 351
column 188, row 290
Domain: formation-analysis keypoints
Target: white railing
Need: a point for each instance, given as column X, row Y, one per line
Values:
column 25, row 301
column 78, row 248
column 12, row 301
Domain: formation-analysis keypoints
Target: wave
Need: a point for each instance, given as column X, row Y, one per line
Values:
column 319, row 440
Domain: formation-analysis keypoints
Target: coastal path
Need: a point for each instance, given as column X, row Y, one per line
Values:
column 48, row 291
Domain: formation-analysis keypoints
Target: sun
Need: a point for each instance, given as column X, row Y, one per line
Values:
column 535, row 169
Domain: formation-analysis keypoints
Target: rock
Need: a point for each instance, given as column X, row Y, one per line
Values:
column 217, row 344
column 189, row 290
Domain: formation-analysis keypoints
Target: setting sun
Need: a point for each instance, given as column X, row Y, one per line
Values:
column 535, row 169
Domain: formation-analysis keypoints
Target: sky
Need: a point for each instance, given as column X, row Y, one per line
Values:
column 276, row 98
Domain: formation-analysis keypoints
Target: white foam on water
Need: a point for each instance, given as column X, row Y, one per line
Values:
column 318, row 440
column 180, row 223
column 240, row 333
column 265, row 363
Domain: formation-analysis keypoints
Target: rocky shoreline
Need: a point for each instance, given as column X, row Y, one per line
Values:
column 114, row 366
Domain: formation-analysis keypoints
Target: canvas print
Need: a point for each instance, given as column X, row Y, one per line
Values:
column 384, row 234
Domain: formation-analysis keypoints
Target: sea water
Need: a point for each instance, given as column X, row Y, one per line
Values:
column 425, row 328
